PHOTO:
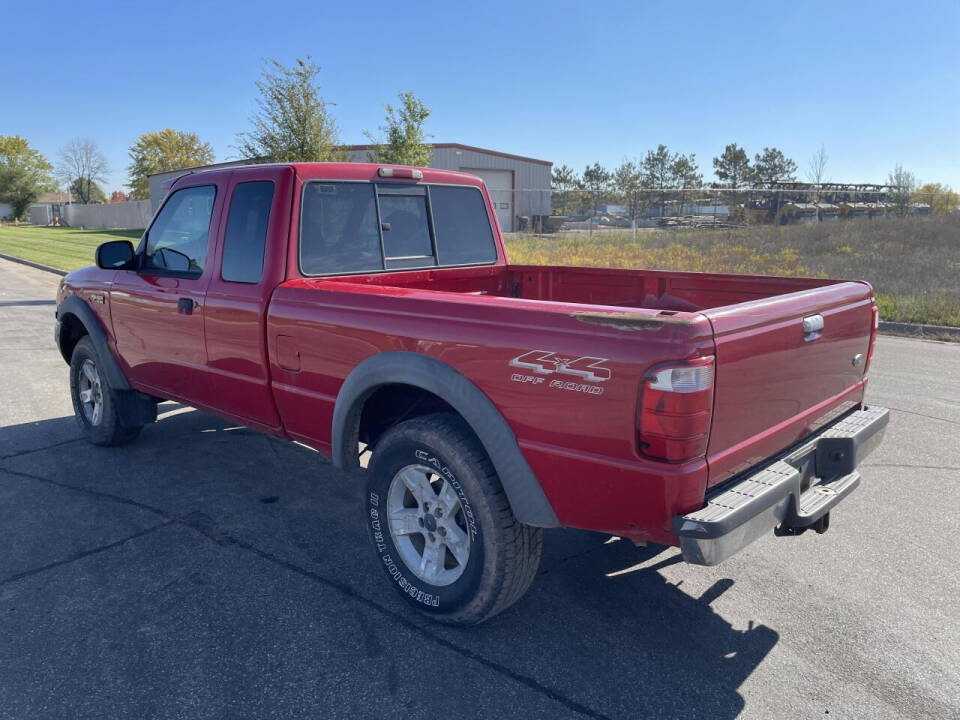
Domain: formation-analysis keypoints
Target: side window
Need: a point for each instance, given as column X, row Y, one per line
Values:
column 177, row 240
column 338, row 229
column 246, row 233
column 464, row 235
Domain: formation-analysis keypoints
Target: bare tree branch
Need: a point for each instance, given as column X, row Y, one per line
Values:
column 81, row 167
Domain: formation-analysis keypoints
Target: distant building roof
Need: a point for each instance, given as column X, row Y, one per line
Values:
column 459, row 146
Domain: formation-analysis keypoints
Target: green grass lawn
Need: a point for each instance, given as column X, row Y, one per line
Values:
column 63, row 248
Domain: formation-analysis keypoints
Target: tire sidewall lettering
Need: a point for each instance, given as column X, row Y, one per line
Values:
column 429, row 597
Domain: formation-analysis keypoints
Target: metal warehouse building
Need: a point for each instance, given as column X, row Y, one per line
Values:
column 518, row 185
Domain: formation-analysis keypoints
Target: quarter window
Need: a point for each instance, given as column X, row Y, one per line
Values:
column 177, row 240
column 246, row 234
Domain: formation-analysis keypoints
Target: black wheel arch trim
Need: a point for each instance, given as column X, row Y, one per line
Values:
column 527, row 499
column 73, row 305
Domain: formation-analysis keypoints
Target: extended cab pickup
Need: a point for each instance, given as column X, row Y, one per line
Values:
column 370, row 312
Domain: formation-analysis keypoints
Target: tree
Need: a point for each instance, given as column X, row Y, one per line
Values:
column 24, row 174
column 628, row 182
column 772, row 166
column 902, row 184
column 656, row 168
column 940, row 198
column 656, row 171
column 817, row 170
column 733, row 166
column 293, row 123
column 596, row 180
column 161, row 151
column 685, row 174
column 118, row 196
column 563, row 181
column 80, row 167
column 404, row 132
column 85, row 192
column 817, row 166
column 684, row 171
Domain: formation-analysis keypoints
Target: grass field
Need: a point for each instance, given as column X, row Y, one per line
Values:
column 63, row 248
column 913, row 263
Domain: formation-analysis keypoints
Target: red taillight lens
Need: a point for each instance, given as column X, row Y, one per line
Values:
column 676, row 404
column 873, row 338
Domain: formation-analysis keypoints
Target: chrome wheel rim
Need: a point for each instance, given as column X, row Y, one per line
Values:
column 428, row 525
column 91, row 392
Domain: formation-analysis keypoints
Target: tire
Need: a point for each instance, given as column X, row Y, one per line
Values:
column 94, row 401
column 471, row 560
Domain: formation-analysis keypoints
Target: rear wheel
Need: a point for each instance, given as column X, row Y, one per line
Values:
column 441, row 524
column 94, row 401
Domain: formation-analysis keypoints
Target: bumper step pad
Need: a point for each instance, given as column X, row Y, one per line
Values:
column 751, row 494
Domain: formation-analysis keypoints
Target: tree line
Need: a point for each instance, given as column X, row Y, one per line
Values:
column 662, row 169
column 292, row 123
column 635, row 182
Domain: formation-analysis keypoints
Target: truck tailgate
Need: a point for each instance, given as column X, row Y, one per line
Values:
column 775, row 382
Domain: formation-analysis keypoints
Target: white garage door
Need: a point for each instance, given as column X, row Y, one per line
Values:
column 500, row 185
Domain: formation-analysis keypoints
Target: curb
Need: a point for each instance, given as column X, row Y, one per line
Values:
column 933, row 332
column 38, row 266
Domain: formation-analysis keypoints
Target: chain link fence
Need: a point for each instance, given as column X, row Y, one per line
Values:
column 588, row 212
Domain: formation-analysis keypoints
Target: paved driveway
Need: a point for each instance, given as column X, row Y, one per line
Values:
column 207, row 571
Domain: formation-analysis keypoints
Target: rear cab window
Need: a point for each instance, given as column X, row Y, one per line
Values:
column 363, row 227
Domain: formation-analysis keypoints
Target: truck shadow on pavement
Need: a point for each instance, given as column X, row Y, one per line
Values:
column 603, row 632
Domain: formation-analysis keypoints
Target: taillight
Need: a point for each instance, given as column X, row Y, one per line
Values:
column 676, row 404
column 873, row 338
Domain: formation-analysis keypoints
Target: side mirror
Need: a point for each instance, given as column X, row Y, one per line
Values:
column 116, row 255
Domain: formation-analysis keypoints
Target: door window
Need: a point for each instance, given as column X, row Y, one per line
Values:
column 177, row 240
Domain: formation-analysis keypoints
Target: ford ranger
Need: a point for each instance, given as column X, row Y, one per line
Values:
column 370, row 312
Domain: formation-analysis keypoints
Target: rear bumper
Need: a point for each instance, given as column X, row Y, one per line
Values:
column 790, row 493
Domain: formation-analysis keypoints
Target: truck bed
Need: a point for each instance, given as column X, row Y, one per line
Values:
column 774, row 384
column 646, row 289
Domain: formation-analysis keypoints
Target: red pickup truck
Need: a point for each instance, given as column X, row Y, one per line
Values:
column 370, row 312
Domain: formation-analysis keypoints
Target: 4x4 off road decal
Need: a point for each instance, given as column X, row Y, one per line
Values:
column 545, row 362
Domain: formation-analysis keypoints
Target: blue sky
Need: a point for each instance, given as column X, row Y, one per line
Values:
column 877, row 84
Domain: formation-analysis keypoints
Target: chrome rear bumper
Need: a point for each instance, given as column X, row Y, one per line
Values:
column 788, row 494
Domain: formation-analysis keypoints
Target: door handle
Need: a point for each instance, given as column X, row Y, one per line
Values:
column 185, row 306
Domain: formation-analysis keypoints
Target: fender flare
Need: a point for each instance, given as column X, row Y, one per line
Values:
column 73, row 305
column 527, row 499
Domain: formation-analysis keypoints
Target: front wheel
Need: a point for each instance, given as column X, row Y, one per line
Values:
column 441, row 523
column 94, row 401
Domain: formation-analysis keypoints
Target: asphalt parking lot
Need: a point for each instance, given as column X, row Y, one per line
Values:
column 207, row 571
